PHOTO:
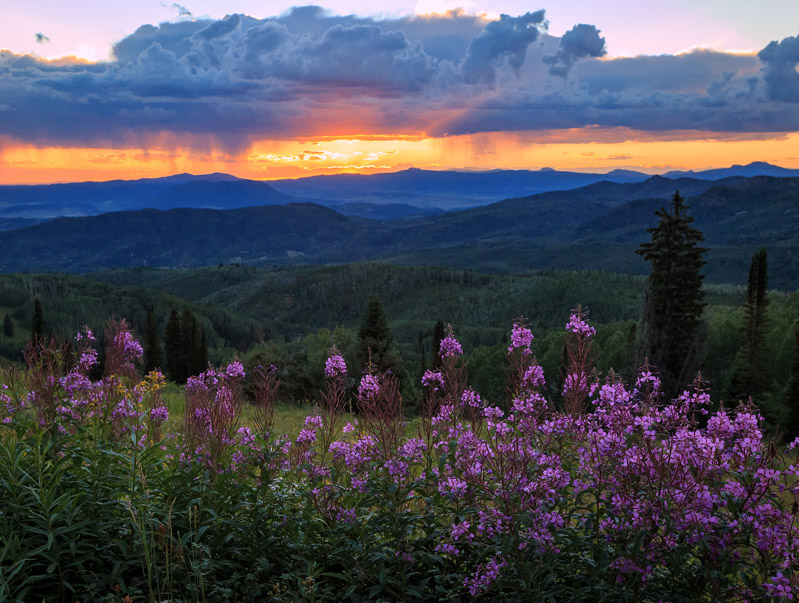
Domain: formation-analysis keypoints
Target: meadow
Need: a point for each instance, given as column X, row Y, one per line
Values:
column 124, row 488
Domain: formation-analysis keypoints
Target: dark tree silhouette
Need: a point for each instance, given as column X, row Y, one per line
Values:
column 751, row 374
column 152, row 342
column 8, row 326
column 375, row 340
column 175, row 350
column 438, row 335
column 671, row 337
column 37, row 326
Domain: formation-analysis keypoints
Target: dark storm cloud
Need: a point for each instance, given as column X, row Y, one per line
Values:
column 306, row 71
column 504, row 40
column 780, row 60
column 703, row 90
column 579, row 42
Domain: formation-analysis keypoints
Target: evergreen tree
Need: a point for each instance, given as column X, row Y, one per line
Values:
column 751, row 373
column 188, row 327
column 37, row 327
column 438, row 335
column 198, row 350
column 8, row 326
column 376, row 341
column 152, row 343
column 202, row 353
column 792, row 394
column 174, row 347
column 674, row 302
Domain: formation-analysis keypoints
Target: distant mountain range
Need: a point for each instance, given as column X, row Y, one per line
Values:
column 594, row 227
column 399, row 195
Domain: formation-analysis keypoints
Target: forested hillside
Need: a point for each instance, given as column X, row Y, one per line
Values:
column 596, row 227
column 290, row 316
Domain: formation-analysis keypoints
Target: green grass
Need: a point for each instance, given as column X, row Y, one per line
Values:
column 289, row 418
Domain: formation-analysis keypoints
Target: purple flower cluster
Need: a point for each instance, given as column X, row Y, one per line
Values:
column 450, row 347
column 335, row 367
column 369, row 387
column 577, row 325
column 520, row 338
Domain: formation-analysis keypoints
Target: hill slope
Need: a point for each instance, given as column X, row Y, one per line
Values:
column 596, row 227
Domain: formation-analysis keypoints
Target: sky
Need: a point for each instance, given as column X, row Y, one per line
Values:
column 93, row 90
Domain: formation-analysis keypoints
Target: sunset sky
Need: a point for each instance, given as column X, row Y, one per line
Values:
column 94, row 90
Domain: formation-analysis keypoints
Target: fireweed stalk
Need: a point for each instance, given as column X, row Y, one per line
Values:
column 621, row 493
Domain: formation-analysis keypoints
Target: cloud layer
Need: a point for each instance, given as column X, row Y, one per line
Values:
column 308, row 73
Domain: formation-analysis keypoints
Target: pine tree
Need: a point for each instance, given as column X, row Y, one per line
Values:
column 173, row 345
column 792, row 394
column 37, row 326
column 198, row 351
column 751, row 373
column 152, row 343
column 8, row 326
column 376, row 341
column 674, row 300
column 438, row 335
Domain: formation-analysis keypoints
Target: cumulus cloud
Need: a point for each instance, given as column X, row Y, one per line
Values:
column 579, row 42
column 505, row 40
column 780, row 60
column 308, row 72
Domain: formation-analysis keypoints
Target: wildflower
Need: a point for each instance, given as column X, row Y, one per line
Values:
column 369, row 387
column 433, row 379
column 335, row 366
column 520, row 338
column 450, row 346
column 471, row 398
column 235, row 370
column 577, row 325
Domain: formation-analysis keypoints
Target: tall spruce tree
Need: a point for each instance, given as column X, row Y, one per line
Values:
column 37, row 325
column 376, row 341
column 792, row 394
column 198, row 351
column 438, row 335
column 175, row 352
column 8, row 326
column 751, row 375
column 152, row 343
column 671, row 337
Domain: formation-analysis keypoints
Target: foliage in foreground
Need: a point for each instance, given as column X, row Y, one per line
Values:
column 619, row 494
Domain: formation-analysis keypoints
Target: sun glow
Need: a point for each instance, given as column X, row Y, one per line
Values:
column 579, row 150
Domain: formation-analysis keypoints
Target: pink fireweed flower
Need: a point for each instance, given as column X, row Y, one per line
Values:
column 335, row 366
column 86, row 333
column 433, row 379
column 575, row 382
column 306, row 436
column 313, row 421
column 452, row 486
column 131, row 348
column 577, row 325
column 520, row 338
column 533, row 377
column 450, row 346
column 235, row 370
column 369, row 387
column 471, row 398
column 159, row 414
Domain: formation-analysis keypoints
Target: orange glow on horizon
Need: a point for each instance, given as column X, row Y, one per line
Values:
column 587, row 149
